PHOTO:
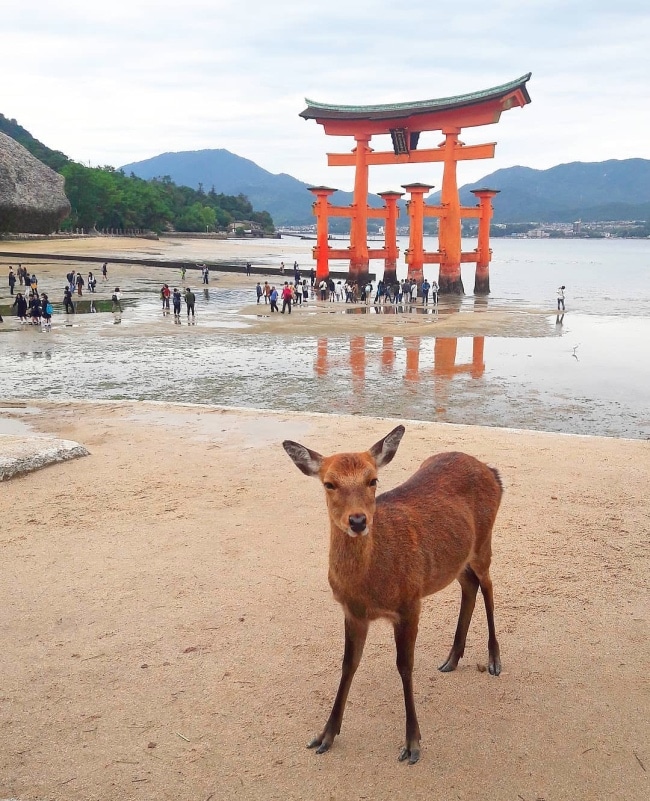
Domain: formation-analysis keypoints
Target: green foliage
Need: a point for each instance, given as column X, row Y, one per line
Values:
column 102, row 197
column 510, row 229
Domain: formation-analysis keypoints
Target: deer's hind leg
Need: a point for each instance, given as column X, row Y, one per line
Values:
column 494, row 654
column 469, row 583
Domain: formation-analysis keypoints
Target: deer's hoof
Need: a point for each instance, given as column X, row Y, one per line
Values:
column 494, row 667
column 319, row 744
column 450, row 664
column 410, row 755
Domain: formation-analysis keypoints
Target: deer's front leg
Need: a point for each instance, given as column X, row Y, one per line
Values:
column 356, row 632
column 406, row 632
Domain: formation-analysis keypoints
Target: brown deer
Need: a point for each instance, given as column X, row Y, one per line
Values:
column 388, row 552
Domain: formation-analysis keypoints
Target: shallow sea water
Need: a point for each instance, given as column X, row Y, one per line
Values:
column 590, row 373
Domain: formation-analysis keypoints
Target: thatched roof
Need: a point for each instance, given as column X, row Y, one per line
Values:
column 32, row 198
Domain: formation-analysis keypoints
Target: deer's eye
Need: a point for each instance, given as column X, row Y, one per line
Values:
column 328, row 485
column 373, row 482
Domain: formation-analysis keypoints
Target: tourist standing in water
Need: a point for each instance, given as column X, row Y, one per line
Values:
column 190, row 300
column 67, row 301
column 116, row 299
column 165, row 294
column 176, row 300
column 560, row 297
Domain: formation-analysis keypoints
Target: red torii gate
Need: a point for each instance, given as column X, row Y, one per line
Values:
column 405, row 122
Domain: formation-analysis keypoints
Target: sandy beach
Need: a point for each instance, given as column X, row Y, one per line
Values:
column 169, row 632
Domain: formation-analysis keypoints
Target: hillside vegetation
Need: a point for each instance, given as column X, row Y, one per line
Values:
column 608, row 190
column 106, row 198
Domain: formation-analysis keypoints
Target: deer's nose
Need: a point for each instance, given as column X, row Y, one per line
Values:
column 358, row 523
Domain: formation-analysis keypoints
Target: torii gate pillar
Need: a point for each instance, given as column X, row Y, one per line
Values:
column 390, row 235
column 484, row 254
column 449, row 231
column 415, row 252
column 321, row 209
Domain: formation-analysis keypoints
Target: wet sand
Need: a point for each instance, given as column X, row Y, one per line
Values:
column 315, row 318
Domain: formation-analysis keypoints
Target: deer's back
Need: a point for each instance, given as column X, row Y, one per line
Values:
column 426, row 530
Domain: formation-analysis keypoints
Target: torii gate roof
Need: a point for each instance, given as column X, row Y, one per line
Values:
column 475, row 108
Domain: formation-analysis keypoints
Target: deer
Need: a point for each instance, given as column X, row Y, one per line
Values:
column 388, row 551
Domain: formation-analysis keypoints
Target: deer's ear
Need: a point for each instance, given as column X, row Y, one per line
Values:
column 304, row 459
column 384, row 450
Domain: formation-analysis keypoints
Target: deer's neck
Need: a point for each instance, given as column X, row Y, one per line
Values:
column 349, row 556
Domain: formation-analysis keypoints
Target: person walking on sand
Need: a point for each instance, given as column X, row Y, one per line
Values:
column 190, row 300
column 176, row 300
column 287, row 295
column 434, row 292
column 560, row 297
column 165, row 294
column 259, row 291
column 273, row 298
column 267, row 291
column 105, row 271
column 20, row 304
column 80, row 283
column 47, row 310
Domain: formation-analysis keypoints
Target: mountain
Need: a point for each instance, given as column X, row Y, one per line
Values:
column 285, row 198
column 590, row 191
column 605, row 190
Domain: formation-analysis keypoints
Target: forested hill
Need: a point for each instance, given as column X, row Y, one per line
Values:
column 106, row 198
column 589, row 191
column 286, row 199
column 607, row 190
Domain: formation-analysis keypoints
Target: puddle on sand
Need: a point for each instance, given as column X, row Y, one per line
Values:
column 591, row 377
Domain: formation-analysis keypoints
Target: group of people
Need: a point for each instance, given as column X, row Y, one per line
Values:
column 404, row 291
column 175, row 297
column 33, row 309
column 291, row 294
column 22, row 278
column 76, row 281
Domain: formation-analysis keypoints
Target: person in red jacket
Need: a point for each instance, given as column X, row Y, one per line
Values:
column 287, row 295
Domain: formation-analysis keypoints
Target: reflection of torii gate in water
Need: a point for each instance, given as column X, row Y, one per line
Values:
column 444, row 357
column 405, row 122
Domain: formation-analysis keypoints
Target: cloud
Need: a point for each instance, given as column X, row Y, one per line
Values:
column 112, row 84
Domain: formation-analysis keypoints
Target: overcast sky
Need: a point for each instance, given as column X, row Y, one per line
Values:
column 118, row 82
